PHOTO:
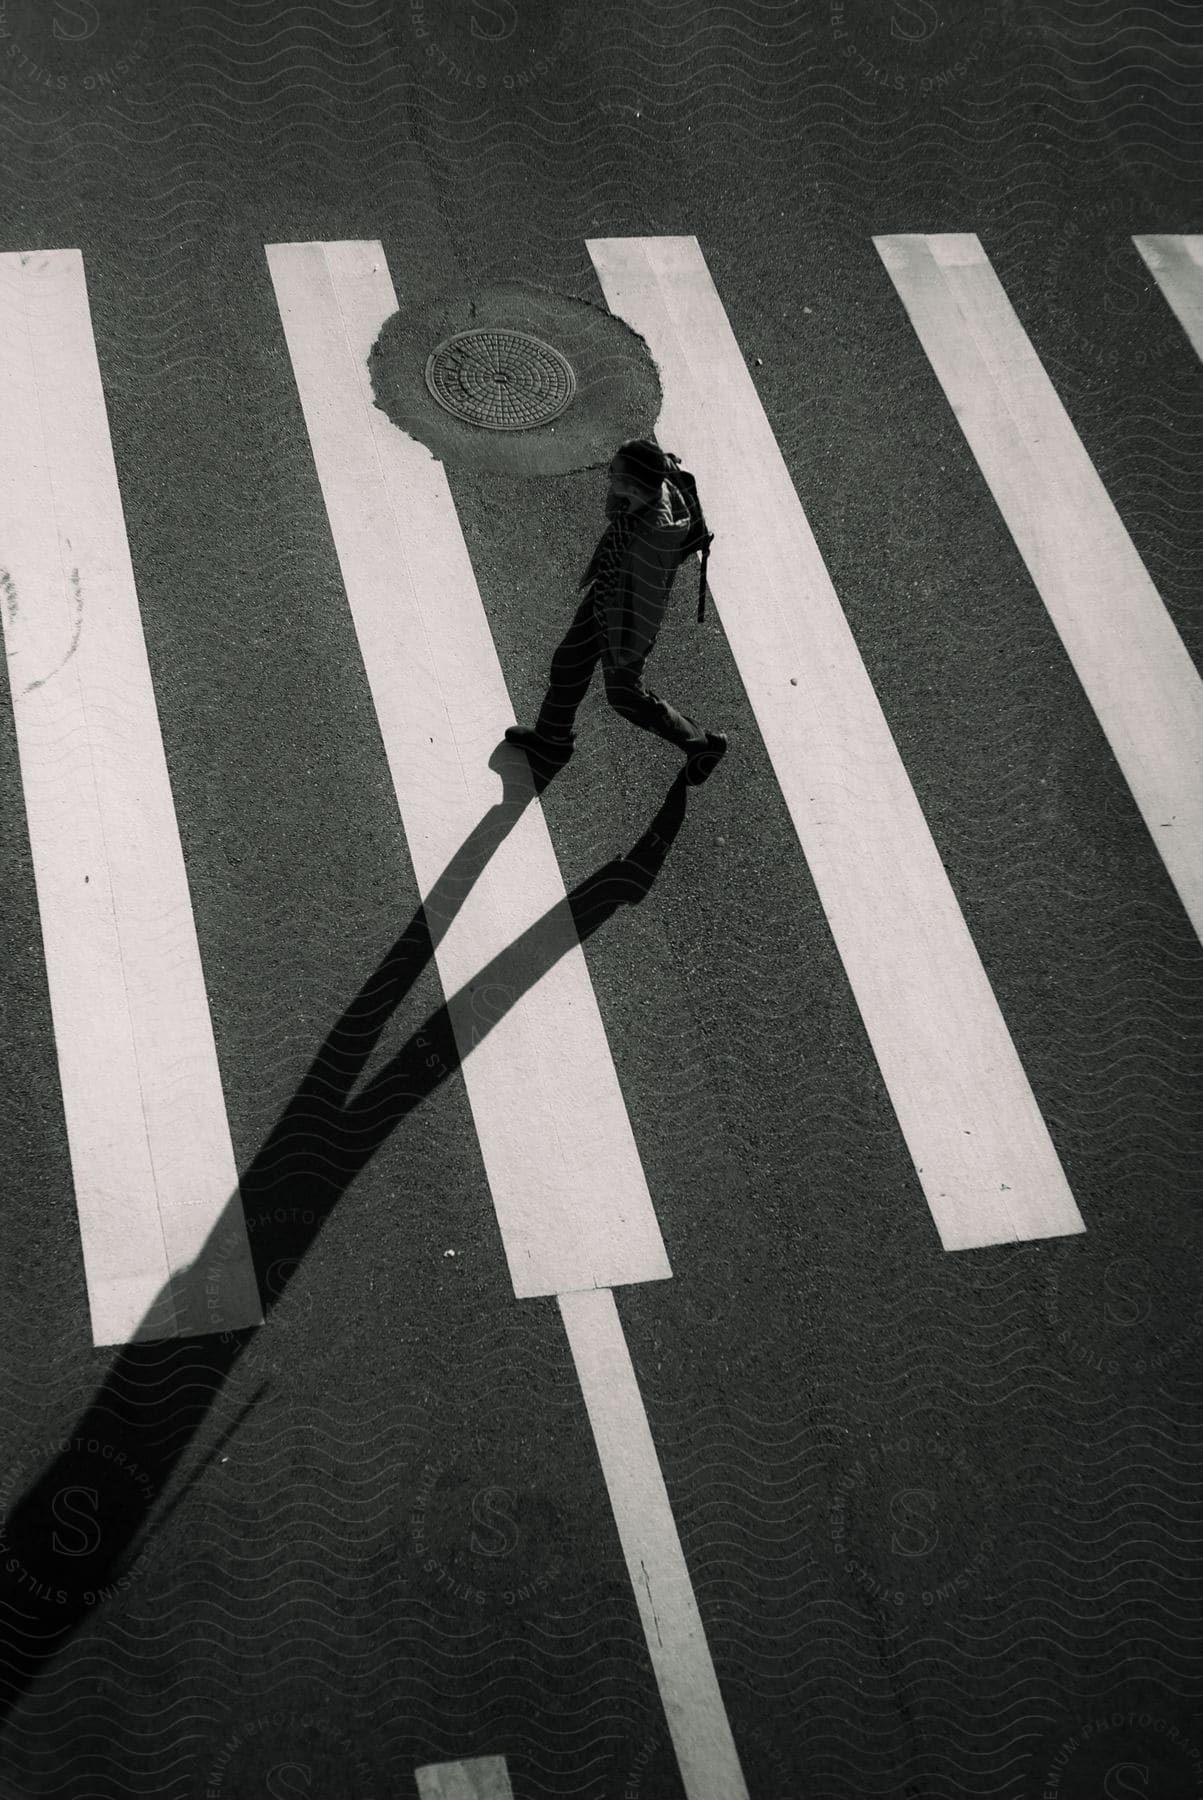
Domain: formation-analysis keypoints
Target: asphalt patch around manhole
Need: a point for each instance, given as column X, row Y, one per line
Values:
column 617, row 394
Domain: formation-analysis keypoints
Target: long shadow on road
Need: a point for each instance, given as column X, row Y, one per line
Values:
column 80, row 1529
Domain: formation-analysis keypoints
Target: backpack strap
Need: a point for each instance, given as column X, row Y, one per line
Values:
column 709, row 539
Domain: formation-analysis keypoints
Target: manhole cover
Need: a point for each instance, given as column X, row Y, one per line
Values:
column 503, row 380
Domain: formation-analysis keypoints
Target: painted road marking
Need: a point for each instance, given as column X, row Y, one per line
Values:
column 1124, row 646
column 567, row 1183
column 484, row 1778
column 151, row 1156
column 1176, row 265
column 981, row 1149
column 676, row 1641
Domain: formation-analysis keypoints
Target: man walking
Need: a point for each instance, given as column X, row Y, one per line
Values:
column 626, row 588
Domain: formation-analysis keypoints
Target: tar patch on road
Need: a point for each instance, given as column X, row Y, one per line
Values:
column 617, row 384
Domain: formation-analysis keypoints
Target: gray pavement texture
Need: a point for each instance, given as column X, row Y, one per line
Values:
column 940, row 1511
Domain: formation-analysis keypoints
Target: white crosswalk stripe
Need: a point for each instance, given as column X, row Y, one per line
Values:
column 1125, row 648
column 676, row 1640
column 1176, row 265
column 481, row 1778
column 981, row 1149
column 151, row 1156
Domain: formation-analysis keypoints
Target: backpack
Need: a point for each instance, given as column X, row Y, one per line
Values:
column 699, row 537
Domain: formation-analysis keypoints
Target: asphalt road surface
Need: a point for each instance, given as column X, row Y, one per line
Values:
column 937, row 1508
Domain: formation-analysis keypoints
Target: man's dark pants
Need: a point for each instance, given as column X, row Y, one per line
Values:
column 572, row 669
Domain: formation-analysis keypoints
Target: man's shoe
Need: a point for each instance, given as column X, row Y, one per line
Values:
column 546, row 749
column 701, row 763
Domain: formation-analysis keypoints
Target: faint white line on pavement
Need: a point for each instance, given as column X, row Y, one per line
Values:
column 689, row 1690
column 151, row 1156
column 483, row 1778
column 1176, row 265
column 1125, row 648
column 981, row 1150
column 565, row 1176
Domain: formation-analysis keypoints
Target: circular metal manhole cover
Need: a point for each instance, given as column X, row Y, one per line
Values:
column 503, row 380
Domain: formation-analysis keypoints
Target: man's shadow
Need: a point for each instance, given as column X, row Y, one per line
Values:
column 79, row 1530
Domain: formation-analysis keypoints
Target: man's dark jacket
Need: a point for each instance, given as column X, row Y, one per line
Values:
column 631, row 572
